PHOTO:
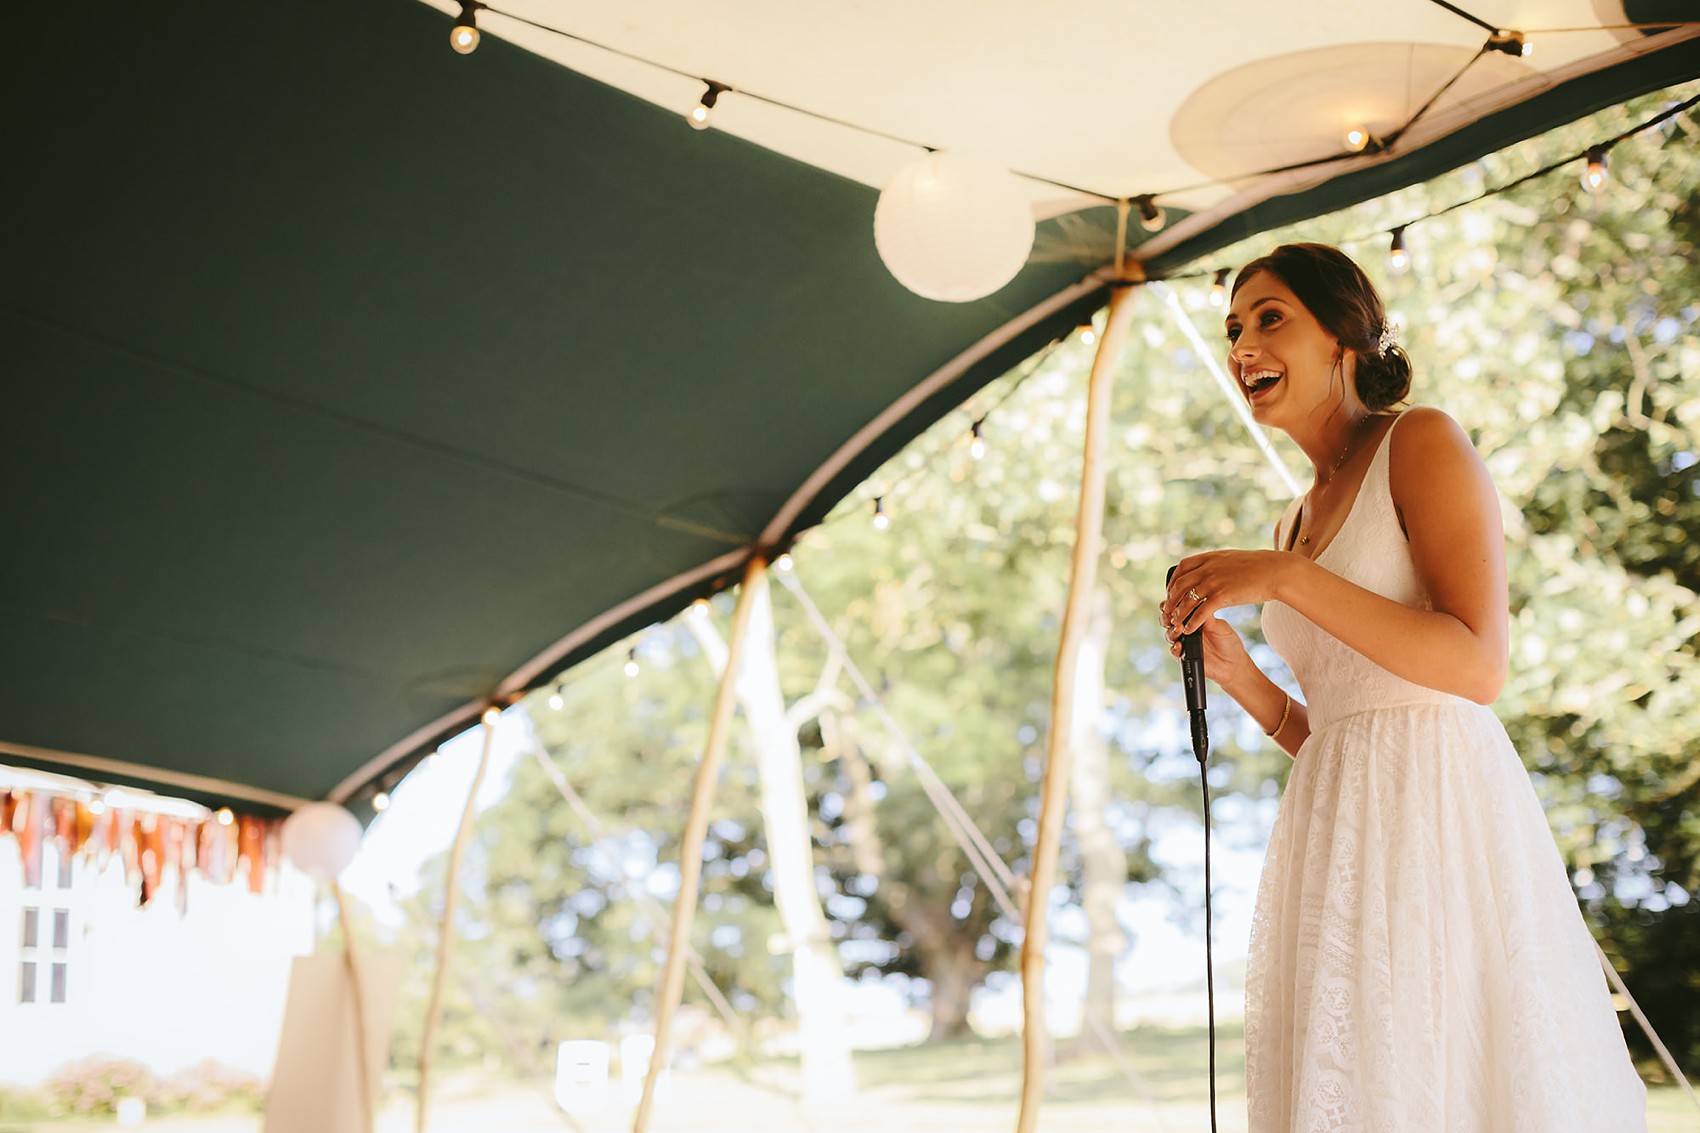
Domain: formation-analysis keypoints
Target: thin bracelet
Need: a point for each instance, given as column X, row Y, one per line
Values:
column 1286, row 711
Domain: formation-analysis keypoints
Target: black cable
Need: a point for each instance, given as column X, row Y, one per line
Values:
column 1209, row 963
column 1457, row 11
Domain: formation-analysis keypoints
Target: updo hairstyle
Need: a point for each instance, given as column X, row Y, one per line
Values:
column 1345, row 302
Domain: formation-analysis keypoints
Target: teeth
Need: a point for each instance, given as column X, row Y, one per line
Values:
column 1262, row 379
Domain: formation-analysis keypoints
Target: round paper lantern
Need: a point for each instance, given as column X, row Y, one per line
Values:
column 321, row 839
column 953, row 228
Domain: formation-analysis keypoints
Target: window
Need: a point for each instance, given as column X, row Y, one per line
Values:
column 34, row 954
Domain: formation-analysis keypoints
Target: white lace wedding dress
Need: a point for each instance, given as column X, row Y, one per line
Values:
column 1418, row 961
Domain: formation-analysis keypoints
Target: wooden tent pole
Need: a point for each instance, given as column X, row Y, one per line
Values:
column 368, row 1094
column 445, row 939
column 672, row 983
column 1053, row 788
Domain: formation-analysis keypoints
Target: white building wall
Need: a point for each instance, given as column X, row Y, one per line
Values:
column 167, row 990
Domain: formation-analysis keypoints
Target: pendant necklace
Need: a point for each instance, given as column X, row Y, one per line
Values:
column 1345, row 451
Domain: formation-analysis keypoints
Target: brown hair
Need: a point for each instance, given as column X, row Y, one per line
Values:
column 1335, row 289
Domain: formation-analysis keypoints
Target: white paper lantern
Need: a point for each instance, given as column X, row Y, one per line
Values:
column 321, row 839
column 953, row 228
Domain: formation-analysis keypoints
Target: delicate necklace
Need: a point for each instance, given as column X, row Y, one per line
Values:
column 1345, row 451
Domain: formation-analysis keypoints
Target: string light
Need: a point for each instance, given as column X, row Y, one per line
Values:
column 631, row 662
column 1151, row 215
column 557, row 700
column 463, row 37
column 783, row 562
column 699, row 116
column 1088, row 333
column 881, row 519
column 97, row 805
column 700, row 607
column 1219, row 289
column 225, row 816
column 1512, row 43
column 1357, row 139
column 1398, row 257
column 381, row 801
column 977, row 439
column 1594, row 173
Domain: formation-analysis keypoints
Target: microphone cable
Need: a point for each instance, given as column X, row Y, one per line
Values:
column 1192, row 673
column 1209, row 962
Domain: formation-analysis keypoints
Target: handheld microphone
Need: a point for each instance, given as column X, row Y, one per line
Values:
column 1192, row 676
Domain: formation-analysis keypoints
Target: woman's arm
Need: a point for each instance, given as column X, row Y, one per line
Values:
column 1447, row 505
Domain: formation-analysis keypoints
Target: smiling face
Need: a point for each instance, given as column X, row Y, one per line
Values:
column 1288, row 366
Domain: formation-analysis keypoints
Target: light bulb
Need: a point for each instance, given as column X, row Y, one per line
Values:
column 491, row 715
column 1356, row 139
column 1398, row 257
column 464, row 37
column 783, row 562
column 381, row 801
column 700, row 607
column 699, row 115
column 97, row 806
column 881, row 519
column 1510, row 43
column 557, row 701
column 1594, row 173
column 1151, row 215
column 977, row 440
column 1088, row 334
column 1219, row 289
column 224, row 816
column 631, row 662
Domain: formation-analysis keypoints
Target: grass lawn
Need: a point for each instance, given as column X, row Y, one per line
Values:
column 1159, row 1086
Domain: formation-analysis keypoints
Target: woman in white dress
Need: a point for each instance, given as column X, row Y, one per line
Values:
column 1418, row 961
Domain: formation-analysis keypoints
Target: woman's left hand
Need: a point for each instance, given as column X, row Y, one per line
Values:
column 1215, row 580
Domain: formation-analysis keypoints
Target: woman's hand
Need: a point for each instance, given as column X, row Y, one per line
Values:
column 1212, row 581
column 1226, row 660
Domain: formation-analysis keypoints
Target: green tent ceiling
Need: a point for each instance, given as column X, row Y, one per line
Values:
column 351, row 383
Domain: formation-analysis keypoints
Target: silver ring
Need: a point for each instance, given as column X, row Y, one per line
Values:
column 1193, row 594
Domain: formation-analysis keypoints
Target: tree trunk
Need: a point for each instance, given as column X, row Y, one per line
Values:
column 1103, row 864
column 954, row 973
column 943, row 950
column 817, row 979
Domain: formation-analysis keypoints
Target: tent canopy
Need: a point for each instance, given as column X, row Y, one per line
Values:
column 354, row 384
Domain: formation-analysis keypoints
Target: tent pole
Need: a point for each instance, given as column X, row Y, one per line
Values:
column 672, row 984
column 368, row 1109
column 1053, row 788
column 445, row 939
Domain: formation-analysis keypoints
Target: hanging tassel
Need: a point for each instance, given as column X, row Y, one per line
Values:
column 251, row 846
column 29, row 824
column 85, row 828
column 152, row 855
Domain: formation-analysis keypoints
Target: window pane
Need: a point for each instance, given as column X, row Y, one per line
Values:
column 58, row 983
column 65, row 861
column 61, row 929
column 26, row 982
column 32, row 927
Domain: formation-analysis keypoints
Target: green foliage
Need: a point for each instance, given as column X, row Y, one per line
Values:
column 94, row 1086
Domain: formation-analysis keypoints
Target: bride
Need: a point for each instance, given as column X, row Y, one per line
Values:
column 1418, row 961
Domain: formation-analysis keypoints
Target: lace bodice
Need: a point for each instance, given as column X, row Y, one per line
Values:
column 1371, row 550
